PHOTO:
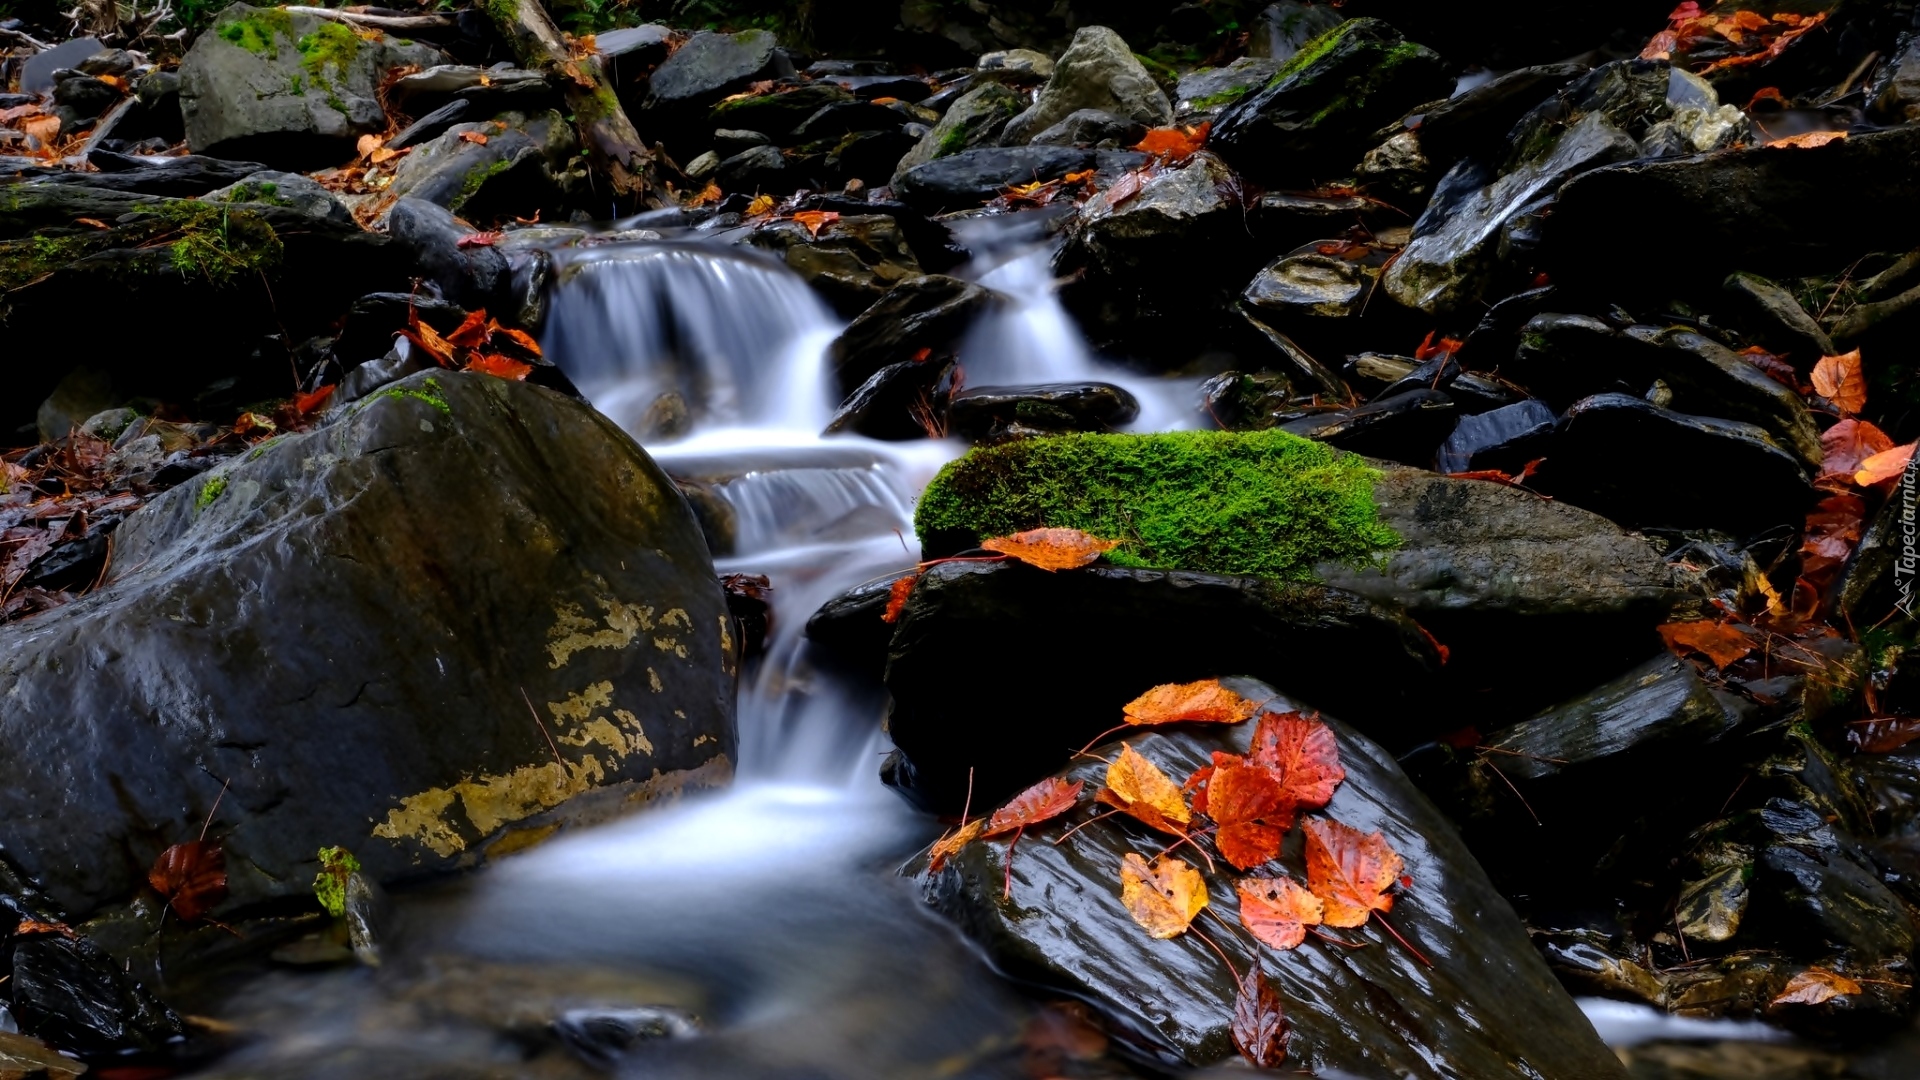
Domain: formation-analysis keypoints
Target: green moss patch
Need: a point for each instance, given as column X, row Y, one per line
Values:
column 210, row 491
column 330, row 885
column 1262, row 503
column 181, row 237
column 258, row 32
column 330, row 45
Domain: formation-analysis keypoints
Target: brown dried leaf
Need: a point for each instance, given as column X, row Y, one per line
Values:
column 1814, row 986
column 1841, row 381
column 1052, row 549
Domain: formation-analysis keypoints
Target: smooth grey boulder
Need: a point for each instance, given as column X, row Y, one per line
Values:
column 709, row 65
column 1098, row 71
column 292, row 90
column 522, row 164
column 473, row 277
column 975, row 120
column 293, row 190
column 344, row 628
column 1487, row 1009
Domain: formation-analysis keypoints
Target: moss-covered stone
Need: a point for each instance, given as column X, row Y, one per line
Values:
column 330, row 46
column 177, row 236
column 258, row 31
column 1260, row 503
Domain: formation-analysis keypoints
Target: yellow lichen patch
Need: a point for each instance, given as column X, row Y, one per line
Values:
column 703, row 740
column 493, row 801
column 653, row 681
column 419, row 818
column 672, row 645
column 573, row 631
column 579, row 707
column 636, row 735
column 517, row 840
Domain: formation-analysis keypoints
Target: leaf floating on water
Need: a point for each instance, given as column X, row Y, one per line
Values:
column 1138, row 787
column 1278, row 910
column 1043, row 801
column 1350, row 871
column 1302, row 751
column 1205, row 702
column 1259, row 1022
column 191, row 877
column 1721, row 643
column 1841, row 381
column 948, row 846
column 1052, row 549
column 1814, row 986
column 1163, row 897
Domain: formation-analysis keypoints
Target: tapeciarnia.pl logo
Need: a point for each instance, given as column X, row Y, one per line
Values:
column 1907, row 565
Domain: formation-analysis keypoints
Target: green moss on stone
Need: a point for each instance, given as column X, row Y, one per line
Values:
column 216, row 243
column 258, row 32
column 1313, row 51
column 330, row 884
column 171, row 236
column 475, row 181
column 1225, row 97
column 1262, row 503
column 209, row 492
column 330, row 46
column 430, row 395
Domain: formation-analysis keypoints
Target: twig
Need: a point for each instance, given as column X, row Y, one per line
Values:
column 215, row 808
column 1681, row 935
column 1006, row 885
column 384, row 22
column 1417, row 954
column 1215, row 946
column 1516, row 792
column 1516, row 753
column 1343, row 943
column 551, row 745
column 1084, row 824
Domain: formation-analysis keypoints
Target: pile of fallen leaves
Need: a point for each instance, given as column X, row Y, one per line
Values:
column 1730, row 38
column 479, row 344
column 1252, row 800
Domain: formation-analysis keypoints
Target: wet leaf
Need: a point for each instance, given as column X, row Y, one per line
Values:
column 949, row 846
column 1884, row 466
column 1163, row 897
column 499, row 367
column 191, row 877
column 1847, row 444
column 897, row 597
column 1052, row 549
column 1138, row 787
column 1043, row 801
column 1882, row 734
column 29, row 927
column 1252, row 812
column 519, row 337
column 1840, row 380
column 1808, row 140
column 474, row 137
column 1775, row 367
column 1174, row 144
column 1350, row 871
column 472, row 332
column 307, row 403
column 479, row 239
column 1429, row 348
column 707, row 196
column 761, row 206
column 1722, row 643
column 1277, row 910
column 368, row 144
column 1205, row 701
column 1816, row 985
column 1304, row 754
column 815, row 220
column 1259, row 1022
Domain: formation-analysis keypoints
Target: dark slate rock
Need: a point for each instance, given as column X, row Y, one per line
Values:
column 1772, row 318
column 1488, row 1008
column 761, row 168
column 1115, row 633
column 852, row 263
column 1093, row 128
column 709, row 66
column 1407, row 428
column 1476, row 123
column 36, row 73
column 986, row 412
column 1246, row 401
column 888, row 404
column 1505, row 438
column 870, row 156
column 645, row 44
column 1203, row 93
column 1283, row 27
column 845, row 118
column 1315, row 120
column 431, row 125
column 932, row 312
column 78, row 100
column 371, row 323
column 1642, row 465
column 909, row 88
column 490, row 90
column 293, row 190
column 779, row 111
column 1308, row 286
column 180, row 177
column 965, row 180
column 397, row 532
column 971, row 122
column 473, row 277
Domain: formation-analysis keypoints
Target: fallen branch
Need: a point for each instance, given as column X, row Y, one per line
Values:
column 379, row 22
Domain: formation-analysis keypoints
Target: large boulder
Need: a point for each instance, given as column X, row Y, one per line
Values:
column 852, row 262
column 292, row 90
column 964, row 180
column 346, row 629
column 1098, row 71
column 916, row 319
column 709, row 66
column 1487, row 1008
column 973, row 121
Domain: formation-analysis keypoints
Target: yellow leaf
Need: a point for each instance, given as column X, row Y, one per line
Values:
column 1163, row 897
column 1141, row 783
column 1052, row 549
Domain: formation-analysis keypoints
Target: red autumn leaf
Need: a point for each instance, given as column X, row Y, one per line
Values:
column 1253, row 814
column 1430, row 348
column 949, row 846
column 1722, row 643
column 1278, row 910
column 1884, row 466
column 815, row 220
column 1882, row 734
column 427, row 339
column 1848, row 443
column 520, row 338
column 499, row 367
column 1302, row 751
column 307, row 403
column 479, row 239
column 29, row 927
column 1350, row 871
column 191, row 877
column 1775, row 367
column 897, row 597
column 471, row 333
column 1043, row 801
column 1841, row 381
column 1259, row 1022
column 474, row 137
column 1052, row 549
column 1768, row 93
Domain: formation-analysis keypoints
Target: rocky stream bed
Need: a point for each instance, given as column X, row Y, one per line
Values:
column 459, row 617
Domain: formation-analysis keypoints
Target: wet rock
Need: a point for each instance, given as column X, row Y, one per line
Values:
column 1308, row 286
column 647, row 44
column 79, row 100
column 178, row 177
column 292, row 90
column 487, row 90
column 37, row 71
column 1812, row 882
column 24, row 1056
column 967, row 179
column 904, row 400
column 1093, row 128
column 852, row 263
column 284, row 189
column 431, row 125
column 366, row 728
column 473, row 277
column 1505, row 438
column 1397, row 170
column 869, row 156
column 1407, row 428
column 1642, row 465
column 1897, row 95
column 762, row 168
column 1283, row 28
column 1203, row 93
column 904, row 88
column 1563, row 358
column 1488, row 1008
column 1120, row 631
column 1098, row 71
column 1284, row 354
column 603, row 1036
column 779, row 112
column 518, row 170
column 1246, row 401
column 709, row 66
column 847, row 118
column 930, row 313
column 991, row 413
column 1020, row 62
column 1768, row 314
column 974, row 121
column 1312, row 122
column 1766, row 231
column 1475, row 124
column 372, row 321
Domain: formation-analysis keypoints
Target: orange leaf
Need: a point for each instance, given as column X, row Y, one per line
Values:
column 1246, row 801
column 897, row 594
column 1808, row 140
column 1277, row 910
column 1138, row 787
column 368, row 144
column 1302, row 752
column 43, row 130
column 191, row 877
column 428, row 339
column 92, row 223
column 499, row 367
column 1350, row 871
column 1847, row 444
column 1259, row 1023
column 1722, row 643
column 382, row 154
column 815, row 220
column 949, row 846
column 1043, row 801
column 1816, row 985
column 1052, row 549
column 1163, row 897
column 474, row 137
column 1205, row 701
column 520, row 338
column 1174, row 144
column 306, row 403
column 761, row 206
column 479, row 239
column 472, row 333
column 1884, row 466
column 708, row 195
column 35, row 926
